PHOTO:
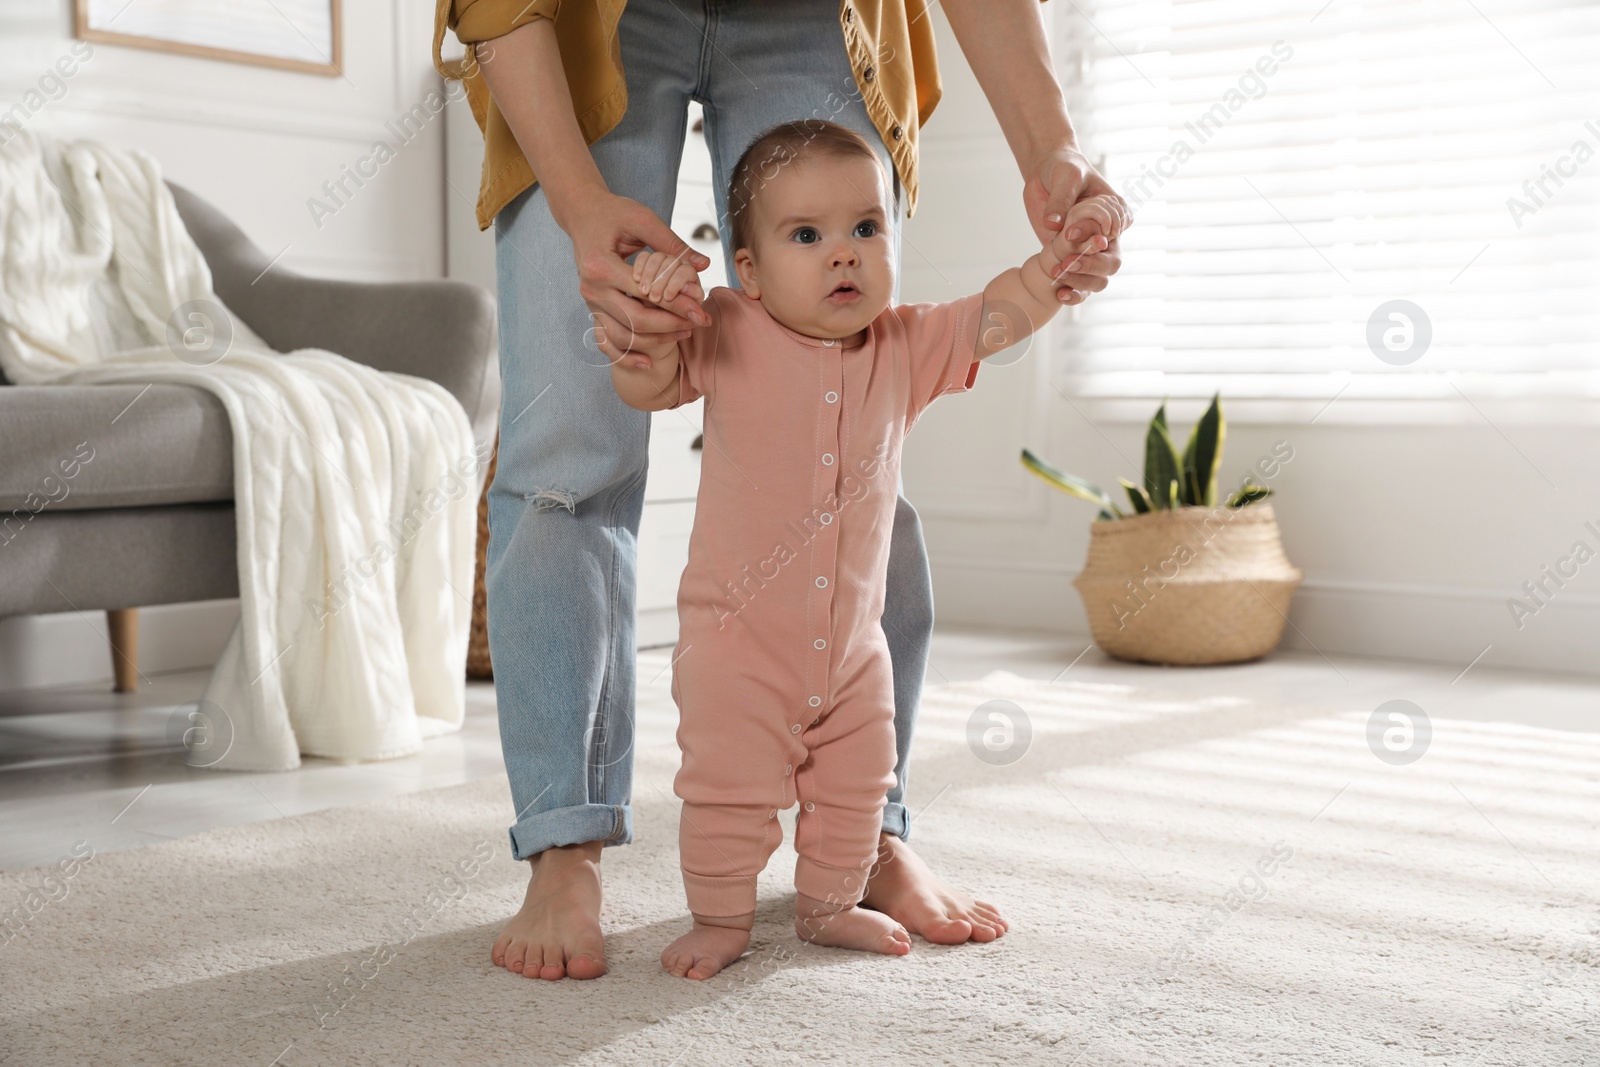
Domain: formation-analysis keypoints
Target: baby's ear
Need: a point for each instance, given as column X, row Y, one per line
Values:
column 745, row 265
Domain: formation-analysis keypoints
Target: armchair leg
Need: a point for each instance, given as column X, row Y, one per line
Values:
column 124, row 625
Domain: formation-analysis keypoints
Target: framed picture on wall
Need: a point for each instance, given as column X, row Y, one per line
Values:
column 298, row 35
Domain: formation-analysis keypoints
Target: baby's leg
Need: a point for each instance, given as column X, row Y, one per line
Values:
column 841, row 787
column 722, row 847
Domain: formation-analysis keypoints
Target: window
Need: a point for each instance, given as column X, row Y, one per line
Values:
column 1386, row 198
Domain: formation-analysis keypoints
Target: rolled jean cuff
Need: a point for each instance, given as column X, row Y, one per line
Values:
column 896, row 820
column 720, row 895
column 833, row 885
column 611, row 824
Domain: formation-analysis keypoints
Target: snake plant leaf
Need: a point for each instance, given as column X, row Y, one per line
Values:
column 1207, row 438
column 1160, row 460
column 1190, row 494
column 1172, row 495
column 1069, row 483
column 1104, row 514
column 1136, row 494
column 1248, row 494
column 1187, row 478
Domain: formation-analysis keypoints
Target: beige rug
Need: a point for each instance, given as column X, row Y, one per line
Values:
column 1189, row 882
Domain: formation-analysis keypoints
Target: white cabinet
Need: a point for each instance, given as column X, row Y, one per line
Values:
column 674, row 461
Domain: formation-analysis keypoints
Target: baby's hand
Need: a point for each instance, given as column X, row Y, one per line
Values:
column 1061, row 257
column 658, row 277
column 1105, row 210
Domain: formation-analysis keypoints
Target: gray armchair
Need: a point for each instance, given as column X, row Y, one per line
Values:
column 149, row 520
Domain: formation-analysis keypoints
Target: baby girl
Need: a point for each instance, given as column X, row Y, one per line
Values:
column 781, row 673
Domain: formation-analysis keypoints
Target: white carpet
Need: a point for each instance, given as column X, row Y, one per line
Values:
column 1446, row 912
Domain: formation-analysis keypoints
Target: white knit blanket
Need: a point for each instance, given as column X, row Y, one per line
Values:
column 356, row 525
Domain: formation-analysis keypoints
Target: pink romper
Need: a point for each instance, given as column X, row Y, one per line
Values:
column 781, row 673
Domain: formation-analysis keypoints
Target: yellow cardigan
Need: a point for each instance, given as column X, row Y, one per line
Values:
column 890, row 44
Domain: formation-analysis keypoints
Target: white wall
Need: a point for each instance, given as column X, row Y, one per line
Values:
column 1412, row 534
column 1414, row 523
column 259, row 143
column 469, row 251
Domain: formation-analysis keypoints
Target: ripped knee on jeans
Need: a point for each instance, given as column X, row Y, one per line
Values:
column 553, row 498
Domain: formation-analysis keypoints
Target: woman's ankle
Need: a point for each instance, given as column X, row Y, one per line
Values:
column 562, row 855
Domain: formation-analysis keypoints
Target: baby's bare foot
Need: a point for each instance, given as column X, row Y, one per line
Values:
column 556, row 934
column 857, row 928
column 708, row 948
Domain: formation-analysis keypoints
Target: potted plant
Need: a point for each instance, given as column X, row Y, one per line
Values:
column 1183, row 579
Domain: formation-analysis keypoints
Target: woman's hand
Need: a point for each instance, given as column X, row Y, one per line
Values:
column 658, row 278
column 605, row 230
column 1068, row 201
column 525, row 76
column 1094, row 217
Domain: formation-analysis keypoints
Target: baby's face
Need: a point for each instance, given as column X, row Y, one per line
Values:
column 818, row 223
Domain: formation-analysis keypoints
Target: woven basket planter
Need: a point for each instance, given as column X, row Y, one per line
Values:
column 479, row 666
column 1188, row 586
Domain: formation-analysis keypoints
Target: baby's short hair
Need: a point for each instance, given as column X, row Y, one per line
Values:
column 782, row 144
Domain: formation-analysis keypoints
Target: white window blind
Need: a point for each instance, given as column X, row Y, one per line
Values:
column 1295, row 166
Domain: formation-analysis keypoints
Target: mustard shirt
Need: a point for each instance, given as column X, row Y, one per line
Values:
column 900, row 90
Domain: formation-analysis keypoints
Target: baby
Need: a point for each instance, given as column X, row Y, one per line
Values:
column 781, row 673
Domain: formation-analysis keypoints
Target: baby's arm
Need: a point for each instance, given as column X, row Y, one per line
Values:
column 653, row 385
column 652, row 388
column 1023, row 299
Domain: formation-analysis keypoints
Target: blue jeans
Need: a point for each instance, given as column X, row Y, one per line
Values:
column 568, row 492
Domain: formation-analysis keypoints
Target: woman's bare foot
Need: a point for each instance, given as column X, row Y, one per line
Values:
column 556, row 934
column 902, row 887
column 851, row 927
column 715, row 942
